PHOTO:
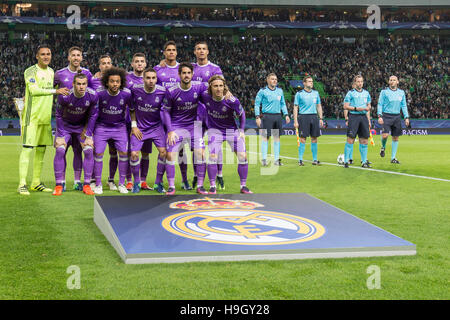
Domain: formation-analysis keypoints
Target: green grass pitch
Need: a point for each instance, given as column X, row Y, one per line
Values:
column 42, row 235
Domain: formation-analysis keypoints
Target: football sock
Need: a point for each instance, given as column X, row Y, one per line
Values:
column 58, row 164
column 394, row 149
column 37, row 165
column 88, row 163
column 383, row 143
column 264, row 147
column 123, row 169
column 314, row 150
column 170, row 172
column 276, row 149
column 243, row 171
column 363, row 148
column 24, row 162
column 113, row 163
column 160, row 169
column 348, row 151
column 301, row 151
column 145, row 163
column 135, row 167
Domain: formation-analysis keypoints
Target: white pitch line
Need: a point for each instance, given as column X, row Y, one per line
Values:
column 370, row 169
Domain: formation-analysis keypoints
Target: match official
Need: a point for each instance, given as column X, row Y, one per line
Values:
column 272, row 103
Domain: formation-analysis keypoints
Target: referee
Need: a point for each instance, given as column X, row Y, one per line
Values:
column 272, row 103
column 36, row 119
column 357, row 103
column 392, row 100
column 309, row 108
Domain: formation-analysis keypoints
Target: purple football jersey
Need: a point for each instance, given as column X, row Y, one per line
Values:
column 202, row 73
column 147, row 106
column 182, row 104
column 133, row 79
column 167, row 76
column 222, row 114
column 96, row 83
column 64, row 77
column 112, row 109
column 72, row 111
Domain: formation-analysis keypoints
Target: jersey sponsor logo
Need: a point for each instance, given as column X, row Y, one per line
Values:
column 238, row 222
column 32, row 80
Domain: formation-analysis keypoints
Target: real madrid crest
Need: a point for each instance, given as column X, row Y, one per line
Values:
column 238, row 222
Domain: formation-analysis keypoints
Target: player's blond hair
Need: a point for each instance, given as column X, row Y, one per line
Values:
column 214, row 78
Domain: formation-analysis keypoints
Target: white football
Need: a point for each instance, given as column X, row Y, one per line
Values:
column 341, row 158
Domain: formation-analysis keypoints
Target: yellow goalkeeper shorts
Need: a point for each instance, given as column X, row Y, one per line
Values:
column 37, row 135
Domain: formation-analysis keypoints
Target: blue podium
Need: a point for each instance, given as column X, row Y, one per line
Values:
column 232, row 227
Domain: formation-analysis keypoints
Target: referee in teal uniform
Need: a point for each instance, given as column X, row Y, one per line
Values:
column 272, row 104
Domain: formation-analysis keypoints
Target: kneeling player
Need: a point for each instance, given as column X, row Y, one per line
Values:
column 147, row 127
column 74, row 113
column 221, row 124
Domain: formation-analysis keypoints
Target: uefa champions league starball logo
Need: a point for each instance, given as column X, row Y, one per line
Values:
column 238, row 222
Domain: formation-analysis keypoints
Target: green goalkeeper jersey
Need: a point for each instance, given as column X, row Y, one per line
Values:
column 38, row 96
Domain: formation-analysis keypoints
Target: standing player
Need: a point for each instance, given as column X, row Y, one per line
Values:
column 203, row 71
column 357, row 102
column 392, row 100
column 105, row 63
column 146, row 127
column 179, row 115
column 74, row 115
column 111, row 124
column 139, row 63
column 272, row 100
column 220, row 120
column 168, row 76
column 36, row 119
column 64, row 78
column 307, row 104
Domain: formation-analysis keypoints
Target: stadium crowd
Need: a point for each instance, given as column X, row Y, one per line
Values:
column 420, row 62
column 233, row 14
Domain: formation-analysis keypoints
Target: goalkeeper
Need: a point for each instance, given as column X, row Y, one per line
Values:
column 36, row 119
column 309, row 108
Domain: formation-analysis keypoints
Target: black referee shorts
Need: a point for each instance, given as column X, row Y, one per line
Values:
column 358, row 124
column 308, row 125
column 272, row 121
column 392, row 123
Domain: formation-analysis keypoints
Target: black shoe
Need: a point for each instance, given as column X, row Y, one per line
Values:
column 300, row 163
column 316, row 163
column 346, row 165
column 350, row 161
column 194, row 182
column 212, row 190
column 221, row 183
column 278, row 163
column 382, row 152
column 395, row 161
column 366, row 165
column 264, row 163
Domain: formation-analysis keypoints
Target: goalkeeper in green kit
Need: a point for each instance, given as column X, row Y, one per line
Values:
column 36, row 119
